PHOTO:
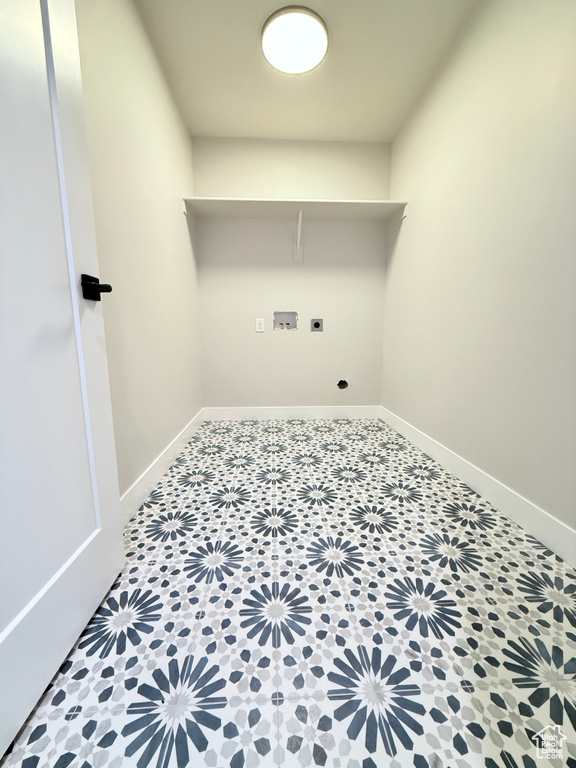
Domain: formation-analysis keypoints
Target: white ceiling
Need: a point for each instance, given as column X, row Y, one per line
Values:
column 382, row 55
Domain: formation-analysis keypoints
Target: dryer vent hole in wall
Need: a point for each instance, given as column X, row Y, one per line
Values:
column 342, row 384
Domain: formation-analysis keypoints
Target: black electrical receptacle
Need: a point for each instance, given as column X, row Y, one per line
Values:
column 342, row 384
column 317, row 324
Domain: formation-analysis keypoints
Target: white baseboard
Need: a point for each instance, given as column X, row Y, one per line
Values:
column 133, row 498
column 535, row 520
column 294, row 412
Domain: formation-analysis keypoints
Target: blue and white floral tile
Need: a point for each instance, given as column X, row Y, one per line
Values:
column 316, row 593
column 72, row 740
column 250, row 737
column 512, row 723
column 375, row 714
column 378, row 713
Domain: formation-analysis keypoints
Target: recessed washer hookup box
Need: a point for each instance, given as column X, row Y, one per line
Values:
column 285, row 321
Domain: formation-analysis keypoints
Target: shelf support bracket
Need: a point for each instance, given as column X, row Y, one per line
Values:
column 299, row 246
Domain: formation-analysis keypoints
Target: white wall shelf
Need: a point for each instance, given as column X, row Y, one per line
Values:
column 252, row 208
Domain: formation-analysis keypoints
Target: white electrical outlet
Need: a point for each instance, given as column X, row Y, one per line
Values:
column 259, row 325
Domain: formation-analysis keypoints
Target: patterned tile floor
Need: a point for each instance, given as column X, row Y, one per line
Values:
column 318, row 593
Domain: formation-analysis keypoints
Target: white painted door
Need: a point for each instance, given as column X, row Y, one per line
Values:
column 60, row 530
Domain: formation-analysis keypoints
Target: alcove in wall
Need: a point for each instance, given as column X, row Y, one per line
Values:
column 245, row 251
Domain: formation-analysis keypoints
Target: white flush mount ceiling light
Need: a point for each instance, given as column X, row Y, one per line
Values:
column 294, row 40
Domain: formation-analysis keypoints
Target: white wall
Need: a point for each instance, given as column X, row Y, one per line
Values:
column 246, row 270
column 141, row 169
column 479, row 311
column 292, row 169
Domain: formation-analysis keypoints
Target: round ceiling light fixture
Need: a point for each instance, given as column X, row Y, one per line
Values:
column 294, row 40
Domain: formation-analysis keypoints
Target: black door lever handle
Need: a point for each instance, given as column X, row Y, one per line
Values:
column 92, row 287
